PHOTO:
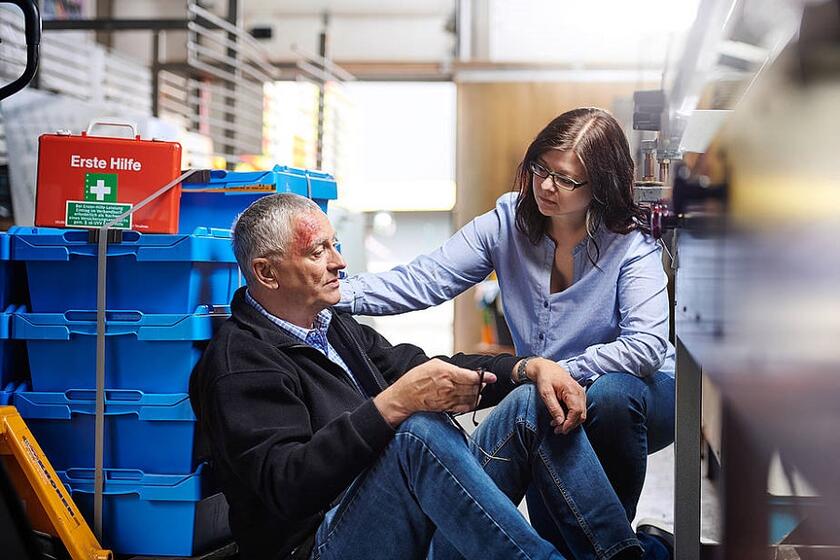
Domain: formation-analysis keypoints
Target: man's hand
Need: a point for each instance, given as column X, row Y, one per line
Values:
column 555, row 386
column 435, row 386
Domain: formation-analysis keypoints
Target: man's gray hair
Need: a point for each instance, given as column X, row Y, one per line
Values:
column 266, row 227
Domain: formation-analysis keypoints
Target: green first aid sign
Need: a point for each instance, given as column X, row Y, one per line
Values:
column 96, row 214
column 100, row 187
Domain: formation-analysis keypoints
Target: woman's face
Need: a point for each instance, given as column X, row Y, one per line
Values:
column 555, row 201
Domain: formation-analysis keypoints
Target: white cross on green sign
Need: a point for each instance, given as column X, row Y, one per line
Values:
column 101, row 187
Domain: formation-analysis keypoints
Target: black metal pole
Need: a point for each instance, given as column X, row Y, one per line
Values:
column 230, row 86
column 323, row 50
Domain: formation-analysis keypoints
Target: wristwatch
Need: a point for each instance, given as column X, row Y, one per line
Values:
column 520, row 371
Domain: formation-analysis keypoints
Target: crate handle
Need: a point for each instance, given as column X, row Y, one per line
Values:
column 79, row 236
column 112, row 395
column 112, row 121
column 85, row 474
column 104, row 492
column 85, row 316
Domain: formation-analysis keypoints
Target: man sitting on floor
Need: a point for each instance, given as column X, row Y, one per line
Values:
column 329, row 442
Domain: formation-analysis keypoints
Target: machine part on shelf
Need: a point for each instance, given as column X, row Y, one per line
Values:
column 690, row 191
column 661, row 220
column 646, row 194
column 49, row 506
column 690, row 196
column 647, row 109
column 664, row 170
column 649, row 165
column 32, row 29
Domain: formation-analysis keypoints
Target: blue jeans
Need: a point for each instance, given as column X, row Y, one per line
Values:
column 430, row 484
column 628, row 417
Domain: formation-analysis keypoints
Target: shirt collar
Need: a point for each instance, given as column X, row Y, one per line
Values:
column 320, row 326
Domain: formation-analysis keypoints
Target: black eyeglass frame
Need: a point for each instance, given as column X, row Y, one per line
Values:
column 557, row 179
column 480, row 372
column 454, row 421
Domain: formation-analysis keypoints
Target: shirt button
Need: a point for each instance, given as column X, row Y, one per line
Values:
column 545, row 304
column 542, row 336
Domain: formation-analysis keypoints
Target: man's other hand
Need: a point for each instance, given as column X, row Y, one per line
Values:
column 435, row 386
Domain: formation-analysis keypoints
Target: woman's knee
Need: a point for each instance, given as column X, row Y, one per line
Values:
column 617, row 395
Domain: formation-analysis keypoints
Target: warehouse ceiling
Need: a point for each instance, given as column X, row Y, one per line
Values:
column 597, row 33
column 350, row 7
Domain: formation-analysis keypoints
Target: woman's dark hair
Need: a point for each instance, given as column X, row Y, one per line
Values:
column 596, row 137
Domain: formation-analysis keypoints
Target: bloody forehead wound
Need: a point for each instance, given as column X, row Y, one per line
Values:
column 305, row 233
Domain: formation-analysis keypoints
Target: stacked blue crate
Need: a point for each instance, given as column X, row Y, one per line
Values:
column 217, row 202
column 163, row 295
column 177, row 503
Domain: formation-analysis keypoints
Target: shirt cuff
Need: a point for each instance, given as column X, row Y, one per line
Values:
column 574, row 370
column 348, row 296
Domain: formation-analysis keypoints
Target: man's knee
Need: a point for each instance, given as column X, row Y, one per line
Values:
column 524, row 406
column 428, row 426
column 523, row 398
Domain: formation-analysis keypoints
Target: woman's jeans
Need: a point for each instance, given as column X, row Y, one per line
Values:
column 430, row 484
column 628, row 417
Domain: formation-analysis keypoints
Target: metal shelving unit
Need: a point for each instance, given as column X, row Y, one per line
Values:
column 216, row 89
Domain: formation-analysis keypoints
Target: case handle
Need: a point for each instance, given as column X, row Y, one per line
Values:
column 112, row 121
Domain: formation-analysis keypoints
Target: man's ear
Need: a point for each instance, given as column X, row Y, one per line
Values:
column 265, row 273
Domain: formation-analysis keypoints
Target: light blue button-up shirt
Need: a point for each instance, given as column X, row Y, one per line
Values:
column 315, row 337
column 612, row 318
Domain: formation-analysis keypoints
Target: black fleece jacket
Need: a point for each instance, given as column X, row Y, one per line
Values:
column 285, row 431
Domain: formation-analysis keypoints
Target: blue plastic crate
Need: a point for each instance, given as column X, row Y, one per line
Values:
column 147, row 272
column 151, row 515
column 151, row 432
column 8, row 390
column 217, row 203
column 6, row 280
column 12, row 276
column 148, row 352
column 13, row 366
column 7, row 373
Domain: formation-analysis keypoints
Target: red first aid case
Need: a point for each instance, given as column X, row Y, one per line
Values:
column 86, row 181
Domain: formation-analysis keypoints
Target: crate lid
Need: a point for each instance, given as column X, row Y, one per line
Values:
column 118, row 402
column 145, row 326
column 281, row 179
column 168, row 487
column 54, row 244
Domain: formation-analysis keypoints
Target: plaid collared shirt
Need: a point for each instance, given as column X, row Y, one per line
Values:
column 315, row 337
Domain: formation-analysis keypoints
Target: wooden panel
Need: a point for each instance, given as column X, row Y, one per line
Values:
column 496, row 122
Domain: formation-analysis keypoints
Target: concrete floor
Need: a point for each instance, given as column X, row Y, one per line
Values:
column 657, row 499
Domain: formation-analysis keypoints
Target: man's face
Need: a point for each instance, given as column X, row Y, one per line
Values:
column 308, row 273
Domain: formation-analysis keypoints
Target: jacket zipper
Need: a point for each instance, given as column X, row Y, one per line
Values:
column 353, row 383
column 364, row 357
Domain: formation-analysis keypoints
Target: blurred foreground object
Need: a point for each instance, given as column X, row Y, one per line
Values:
column 757, row 299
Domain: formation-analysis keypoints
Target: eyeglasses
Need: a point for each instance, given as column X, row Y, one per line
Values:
column 480, row 372
column 461, row 429
column 560, row 181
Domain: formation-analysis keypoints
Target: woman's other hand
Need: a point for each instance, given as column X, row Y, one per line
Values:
column 562, row 395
